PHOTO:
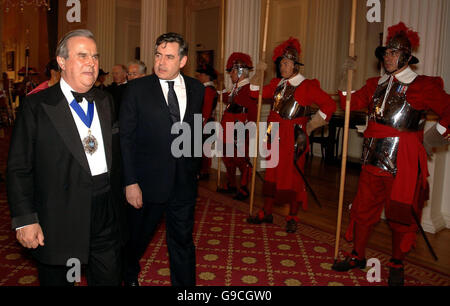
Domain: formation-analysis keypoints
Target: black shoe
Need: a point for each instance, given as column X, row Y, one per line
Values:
column 227, row 190
column 396, row 273
column 351, row 261
column 291, row 226
column 260, row 218
column 242, row 194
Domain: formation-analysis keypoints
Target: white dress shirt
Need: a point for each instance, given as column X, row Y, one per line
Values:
column 97, row 161
column 180, row 91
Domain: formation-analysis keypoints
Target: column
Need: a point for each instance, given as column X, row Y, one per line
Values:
column 104, row 30
column 429, row 18
column 153, row 24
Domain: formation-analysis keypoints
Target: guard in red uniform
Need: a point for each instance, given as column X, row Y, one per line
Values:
column 292, row 96
column 240, row 108
column 207, row 75
column 394, row 172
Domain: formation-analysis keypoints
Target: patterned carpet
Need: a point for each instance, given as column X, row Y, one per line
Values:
column 230, row 252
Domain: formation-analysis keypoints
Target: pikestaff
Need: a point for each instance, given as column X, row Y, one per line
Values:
column 261, row 86
column 346, row 128
column 221, row 82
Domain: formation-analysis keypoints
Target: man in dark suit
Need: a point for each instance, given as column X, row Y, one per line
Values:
column 118, row 86
column 64, row 172
column 156, row 181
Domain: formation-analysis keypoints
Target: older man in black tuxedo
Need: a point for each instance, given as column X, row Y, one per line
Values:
column 64, row 172
column 156, row 181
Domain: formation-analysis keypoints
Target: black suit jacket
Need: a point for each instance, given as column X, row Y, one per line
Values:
column 49, row 179
column 146, row 140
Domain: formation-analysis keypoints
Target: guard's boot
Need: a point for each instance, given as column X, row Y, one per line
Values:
column 291, row 224
column 261, row 217
column 396, row 273
column 229, row 190
column 242, row 194
column 351, row 261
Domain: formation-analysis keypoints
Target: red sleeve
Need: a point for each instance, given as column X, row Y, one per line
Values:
column 309, row 92
column 428, row 93
column 268, row 90
column 208, row 103
column 362, row 97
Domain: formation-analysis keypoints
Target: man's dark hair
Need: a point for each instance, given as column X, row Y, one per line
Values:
column 52, row 65
column 170, row 38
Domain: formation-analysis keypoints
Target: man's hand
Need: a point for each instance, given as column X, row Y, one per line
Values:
column 260, row 68
column 30, row 236
column 350, row 63
column 134, row 195
column 433, row 139
column 315, row 122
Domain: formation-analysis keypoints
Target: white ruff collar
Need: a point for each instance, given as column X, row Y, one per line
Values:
column 295, row 80
column 406, row 76
column 210, row 83
column 243, row 82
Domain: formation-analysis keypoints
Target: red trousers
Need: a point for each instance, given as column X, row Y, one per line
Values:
column 231, row 163
column 374, row 194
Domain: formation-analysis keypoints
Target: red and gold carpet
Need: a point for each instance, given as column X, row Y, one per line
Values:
column 230, row 252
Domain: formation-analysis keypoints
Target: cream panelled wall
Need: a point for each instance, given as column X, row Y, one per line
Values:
column 104, row 32
column 287, row 18
column 321, row 43
column 153, row 24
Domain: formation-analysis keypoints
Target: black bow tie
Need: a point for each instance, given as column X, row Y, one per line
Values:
column 89, row 96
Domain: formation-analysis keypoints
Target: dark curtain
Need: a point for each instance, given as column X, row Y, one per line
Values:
column 52, row 26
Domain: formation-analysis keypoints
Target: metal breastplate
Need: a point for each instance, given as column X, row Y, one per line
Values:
column 285, row 104
column 396, row 112
column 233, row 107
column 381, row 152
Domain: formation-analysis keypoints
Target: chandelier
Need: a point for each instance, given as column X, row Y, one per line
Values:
column 11, row 4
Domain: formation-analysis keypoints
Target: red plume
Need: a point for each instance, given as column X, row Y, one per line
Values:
column 399, row 28
column 291, row 42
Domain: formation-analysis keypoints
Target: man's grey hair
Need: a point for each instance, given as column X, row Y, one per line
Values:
column 62, row 50
column 170, row 38
column 141, row 64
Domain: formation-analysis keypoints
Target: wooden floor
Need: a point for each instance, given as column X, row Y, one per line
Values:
column 324, row 180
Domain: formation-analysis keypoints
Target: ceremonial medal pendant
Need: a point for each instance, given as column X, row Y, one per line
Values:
column 90, row 144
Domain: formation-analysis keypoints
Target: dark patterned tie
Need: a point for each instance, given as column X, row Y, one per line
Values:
column 172, row 100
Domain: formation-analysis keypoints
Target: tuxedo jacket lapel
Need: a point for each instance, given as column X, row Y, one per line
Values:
column 104, row 115
column 161, row 101
column 188, row 100
column 59, row 113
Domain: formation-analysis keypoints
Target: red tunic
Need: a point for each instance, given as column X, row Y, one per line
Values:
column 244, row 99
column 424, row 93
column 283, row 182
column 40, row 87
column 209, row 103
